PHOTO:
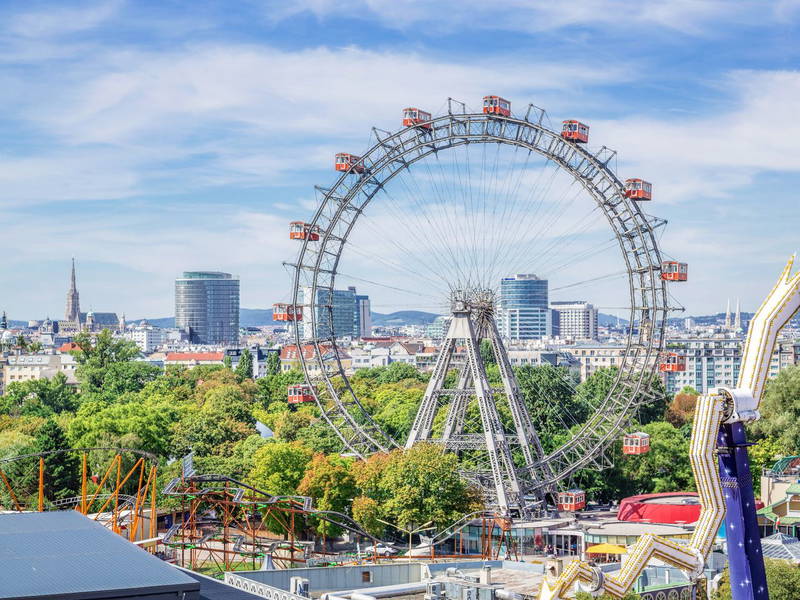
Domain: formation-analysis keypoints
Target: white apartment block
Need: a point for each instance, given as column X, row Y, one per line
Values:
column 574, row 320
column 592, row 357
column 28, row 367
column 147, row 337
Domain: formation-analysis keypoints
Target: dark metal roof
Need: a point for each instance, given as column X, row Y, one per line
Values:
column 68, row 556
column 211, row 589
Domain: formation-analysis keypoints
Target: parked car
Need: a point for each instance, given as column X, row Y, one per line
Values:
column 380, row 550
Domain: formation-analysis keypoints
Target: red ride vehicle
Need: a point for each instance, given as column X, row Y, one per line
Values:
column 636, row 443
column 575, row 131
column 298, row 230
column 415, row 116
column 672, row 270
column 286, row 312
column 495, row 105
column 572, row 500
column 638, row 189
column 673, row 363
column 349, row 162
column 299, row 393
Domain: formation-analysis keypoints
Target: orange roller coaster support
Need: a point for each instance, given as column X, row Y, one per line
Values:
column 10, row 490
column 83, row 485
column 115, row 494
column 41, row 483
column 100, row 485
column 153, row 512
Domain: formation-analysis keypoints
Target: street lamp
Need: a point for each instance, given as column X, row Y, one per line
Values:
column 410, row 532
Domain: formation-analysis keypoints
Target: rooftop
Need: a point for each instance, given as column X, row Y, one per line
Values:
column 64, row 555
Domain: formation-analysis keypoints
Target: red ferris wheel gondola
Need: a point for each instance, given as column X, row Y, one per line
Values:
column 575, row 131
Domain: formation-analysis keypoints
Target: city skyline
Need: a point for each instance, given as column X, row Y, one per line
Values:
column 119, row 165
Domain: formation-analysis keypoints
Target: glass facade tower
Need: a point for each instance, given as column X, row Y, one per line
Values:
column 339, row 321
column 524, row 313
column 207, row 307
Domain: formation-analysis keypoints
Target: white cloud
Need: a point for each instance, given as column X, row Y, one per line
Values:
column 714, row 154
column 62, row 20
column 692, row 17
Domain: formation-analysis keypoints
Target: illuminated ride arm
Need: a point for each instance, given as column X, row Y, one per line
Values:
column 720, row 405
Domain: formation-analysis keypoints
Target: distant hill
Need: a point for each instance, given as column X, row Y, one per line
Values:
column 605, row 320
column 403, row 317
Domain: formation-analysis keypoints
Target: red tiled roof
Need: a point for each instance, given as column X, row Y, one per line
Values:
column 69, row 347
column 196, row 356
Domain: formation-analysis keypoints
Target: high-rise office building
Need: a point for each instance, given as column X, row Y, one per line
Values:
column 363, row 315
column 335, row 314
column 207, row 307
column 523, row 312
column 575, row 320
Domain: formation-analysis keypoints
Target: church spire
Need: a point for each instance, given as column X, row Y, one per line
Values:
column 73, row 312
column 737, row 324
column 728, row 315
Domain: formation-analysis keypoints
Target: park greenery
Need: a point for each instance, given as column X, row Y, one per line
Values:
column 213, row 411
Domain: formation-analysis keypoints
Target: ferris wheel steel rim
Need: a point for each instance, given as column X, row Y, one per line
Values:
column 341, row 206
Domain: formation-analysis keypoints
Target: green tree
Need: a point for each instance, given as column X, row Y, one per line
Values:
column 666, row 467
column 763, row 454
column 41, row 397
column 133, row 421
column 289, row 425
column 222, row 417
column 96, row 355
column 366, row 513
column 330, row 483
column 415, row 486
column 226, row 362
column 62, row 472
column 279, row 467
column 551, row 401
column 780, row 409
column 273, row 363
column 245, row 367
column 397, row 408
column 487, row 354
column 272, row 388
column 783, row 581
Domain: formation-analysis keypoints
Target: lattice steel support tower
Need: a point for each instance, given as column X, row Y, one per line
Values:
column 473, row 321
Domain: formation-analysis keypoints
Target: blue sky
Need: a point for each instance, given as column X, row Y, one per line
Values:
column 148, row 138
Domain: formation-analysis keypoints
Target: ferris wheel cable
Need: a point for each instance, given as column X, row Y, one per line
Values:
column 472, row 207
column 468, row 230
column 373, row 256
column 458, row 233
column 509, row 243
column 592, row 280
column 556, row 211
column 406, row 252
column 580, row 255
column 551, row 273
column 508, row 194
column 487, row 228
column 561, row 244
column 415, row 232
column 391, row 287
column 546, row 222
column 447, row 250
column 537, row 198
column 569, row 237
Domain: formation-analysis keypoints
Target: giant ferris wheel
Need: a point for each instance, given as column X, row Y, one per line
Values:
column 436, row 214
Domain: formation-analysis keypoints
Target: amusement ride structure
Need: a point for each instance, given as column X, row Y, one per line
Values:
column 444, row 203
column 720, row 464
